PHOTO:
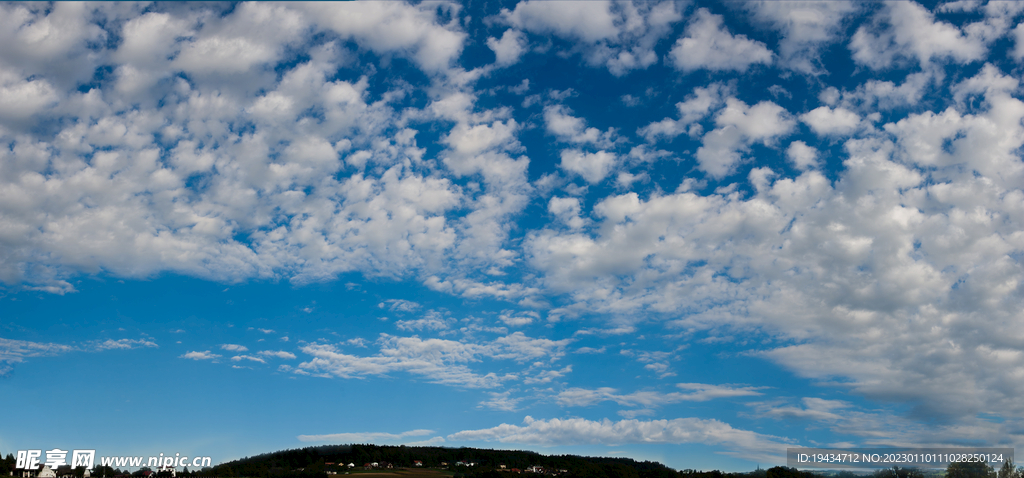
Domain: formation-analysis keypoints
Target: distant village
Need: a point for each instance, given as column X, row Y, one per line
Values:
column 330, row 468
column 334, row 468
column 44, row 471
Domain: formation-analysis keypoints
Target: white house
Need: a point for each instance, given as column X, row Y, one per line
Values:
column 41, row 471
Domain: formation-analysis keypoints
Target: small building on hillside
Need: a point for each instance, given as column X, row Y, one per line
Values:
column 39, row 471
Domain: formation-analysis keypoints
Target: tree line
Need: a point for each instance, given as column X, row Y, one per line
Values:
column 315, row 462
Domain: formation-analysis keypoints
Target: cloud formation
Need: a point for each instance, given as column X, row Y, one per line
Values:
column 577, row 431
column 806, row 181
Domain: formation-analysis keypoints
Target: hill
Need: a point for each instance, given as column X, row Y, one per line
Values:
column 468, row 462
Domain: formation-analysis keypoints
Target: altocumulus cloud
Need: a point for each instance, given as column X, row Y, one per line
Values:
column 863, row 234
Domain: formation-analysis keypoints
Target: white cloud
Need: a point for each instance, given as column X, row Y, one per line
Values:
column 16, row 351
column 127, row 344
column 431, row 321
column 411, row 30
column 438, row 360
column 518, row 320
column 1018, row 46
column 807, row 27
column 281, row 354
column 885, row 95
column 150, row 39
column 707, row 45
column 502, row 401
column 906, row 30
column 567, row 210
column 631, row 414
column 559, row 121
column 23, row 99
column 695, row 392
column 907, row 254
column 546, row 376
column 802, row 156
column 827, row 121
column 196, row 355
column 620, row 330
column 696, row 107
column 989, row 82
column 579, row 431
column 239, row 358
column 816, row 409
column 619, row 36
column 227, row 46
column 590, row 21
column 399, row 305
column 234, row 347
column 509, row 48
column 593, row 167
column 52, row 42
column 738, row 127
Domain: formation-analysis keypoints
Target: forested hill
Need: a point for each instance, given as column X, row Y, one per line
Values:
column 316, row 461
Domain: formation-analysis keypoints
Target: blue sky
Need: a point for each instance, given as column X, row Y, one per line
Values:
column 698, row 233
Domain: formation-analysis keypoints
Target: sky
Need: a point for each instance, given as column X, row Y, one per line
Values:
column 697, row 233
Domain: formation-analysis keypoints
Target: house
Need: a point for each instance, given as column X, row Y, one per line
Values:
column 351, row 465
column 535, row 469
column 417, row 463
column 39, row 471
